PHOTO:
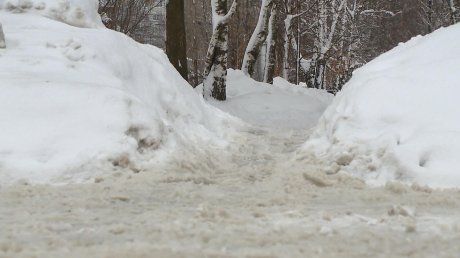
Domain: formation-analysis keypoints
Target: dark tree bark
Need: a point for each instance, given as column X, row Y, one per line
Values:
column 176, row 47
column 271, row 45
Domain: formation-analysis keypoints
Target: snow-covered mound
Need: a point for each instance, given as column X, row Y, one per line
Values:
column 75, row 99
column 82, row 13
column 281, row 105
column 399, row 116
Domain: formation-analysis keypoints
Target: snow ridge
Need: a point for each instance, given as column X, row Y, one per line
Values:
column 398, row 117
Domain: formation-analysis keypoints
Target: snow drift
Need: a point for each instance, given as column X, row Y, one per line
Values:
column 281, row 105
column 77, row 98
column 82, row 13
column 399, row 116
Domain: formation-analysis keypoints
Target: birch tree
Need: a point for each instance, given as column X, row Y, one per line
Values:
column 291, row 36
column 269, row 70
column 215, row 73
column 258, row 38
column 329, row 16
column 176, row 48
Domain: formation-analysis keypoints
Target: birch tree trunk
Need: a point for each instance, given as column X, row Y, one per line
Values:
column 288, row 38
column 329, row 15
column 271, row 45
column 258, row 38
column 2, row 38
column 176, row 47
column 215, row 74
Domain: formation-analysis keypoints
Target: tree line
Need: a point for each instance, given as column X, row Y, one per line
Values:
column 316, row 43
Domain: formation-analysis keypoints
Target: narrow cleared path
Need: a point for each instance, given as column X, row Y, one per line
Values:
column 255, row 199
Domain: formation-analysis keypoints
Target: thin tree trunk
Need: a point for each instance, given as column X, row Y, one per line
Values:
column 287, row 43
column 176, row 47
column 298, row 56
column 215, row 73
column 258, row 38
column 271, row 45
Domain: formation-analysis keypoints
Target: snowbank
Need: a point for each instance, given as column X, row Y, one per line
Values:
column 75, row 101
column 81, row 13
column 281, row 105
column 399, row 116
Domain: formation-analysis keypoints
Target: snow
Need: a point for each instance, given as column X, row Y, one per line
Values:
column 281, row 105
column 81, row 13
column 77, row 101
column 73, row 100
column 398, row 117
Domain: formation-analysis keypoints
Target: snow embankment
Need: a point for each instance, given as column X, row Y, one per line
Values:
column 399, row 116
column 79, row 101
column 81, row 13
column 281, row 105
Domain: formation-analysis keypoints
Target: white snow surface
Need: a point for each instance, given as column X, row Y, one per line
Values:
column 81, row 13
column 281, row 105
column 399, row 117
column 76, row 100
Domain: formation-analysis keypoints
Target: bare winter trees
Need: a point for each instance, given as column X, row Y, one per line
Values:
column 215, row 73
column 437, row 13
column 327, row 32
column 318, row 43
column 126, row 15
column 176, row 48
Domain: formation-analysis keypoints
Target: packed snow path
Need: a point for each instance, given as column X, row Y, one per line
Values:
column 256, row 202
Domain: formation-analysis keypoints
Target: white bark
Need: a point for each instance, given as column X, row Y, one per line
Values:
column 290, row 41
column 330, row 13
column 215, row 74
column 258, row 38
column 271, row 41
column 287, row 40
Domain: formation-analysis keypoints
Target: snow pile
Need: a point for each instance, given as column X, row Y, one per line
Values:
column 75, row 102
column 399, row 116
column 81, row 13
column 281, row 105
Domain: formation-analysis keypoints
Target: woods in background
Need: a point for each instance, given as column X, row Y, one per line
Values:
column 317, row 43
